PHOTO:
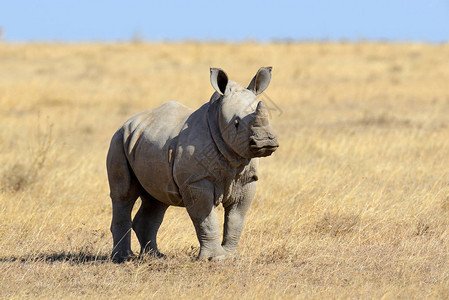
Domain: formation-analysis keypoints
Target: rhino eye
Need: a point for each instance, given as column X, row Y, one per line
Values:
column 236, row 123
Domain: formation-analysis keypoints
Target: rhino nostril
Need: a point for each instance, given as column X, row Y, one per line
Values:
column 252, row 142
column 272, row 136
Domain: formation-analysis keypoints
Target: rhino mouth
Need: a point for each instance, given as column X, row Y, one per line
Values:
column 262, row 147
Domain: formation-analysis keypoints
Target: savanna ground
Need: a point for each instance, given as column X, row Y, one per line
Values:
column 355, row 202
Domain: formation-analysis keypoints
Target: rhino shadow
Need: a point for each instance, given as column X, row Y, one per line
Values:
column 80, row 258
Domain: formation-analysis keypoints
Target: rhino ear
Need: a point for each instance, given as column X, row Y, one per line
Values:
column 219, row 80
column 261, row 81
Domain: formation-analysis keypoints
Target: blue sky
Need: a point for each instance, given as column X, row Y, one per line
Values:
column 101, row 20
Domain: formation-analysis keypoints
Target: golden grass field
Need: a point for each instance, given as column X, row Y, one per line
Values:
column 354, row 203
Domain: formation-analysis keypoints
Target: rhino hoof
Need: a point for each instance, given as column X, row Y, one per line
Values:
column 118, row 259
column 153, row 254
column 220, row 258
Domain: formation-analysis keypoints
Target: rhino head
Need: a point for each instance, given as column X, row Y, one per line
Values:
column 241, row 118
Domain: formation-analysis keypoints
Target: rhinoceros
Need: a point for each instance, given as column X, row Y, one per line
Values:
column 173, row 155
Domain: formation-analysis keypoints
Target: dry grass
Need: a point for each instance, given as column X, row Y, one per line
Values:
column 354, row 204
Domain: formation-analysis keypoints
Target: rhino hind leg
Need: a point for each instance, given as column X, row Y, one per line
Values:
column 125, row 190
column 146, row 224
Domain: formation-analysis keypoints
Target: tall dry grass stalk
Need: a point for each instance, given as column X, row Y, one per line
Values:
column 354, row 204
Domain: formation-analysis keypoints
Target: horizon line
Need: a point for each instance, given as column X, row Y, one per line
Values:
column 138, row 40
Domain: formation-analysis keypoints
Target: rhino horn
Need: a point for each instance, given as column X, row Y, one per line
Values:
column 261, row 115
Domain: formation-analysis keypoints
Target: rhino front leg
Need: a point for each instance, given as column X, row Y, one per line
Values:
column 146, row 224
column 200, row 206
column 235, row 219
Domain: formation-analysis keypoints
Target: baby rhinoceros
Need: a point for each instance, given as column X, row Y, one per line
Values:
column 172, row 155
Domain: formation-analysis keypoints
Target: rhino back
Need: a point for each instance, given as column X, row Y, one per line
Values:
column 150, row 137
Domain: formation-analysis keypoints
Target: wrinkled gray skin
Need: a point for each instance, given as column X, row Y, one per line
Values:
column 172, row 155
